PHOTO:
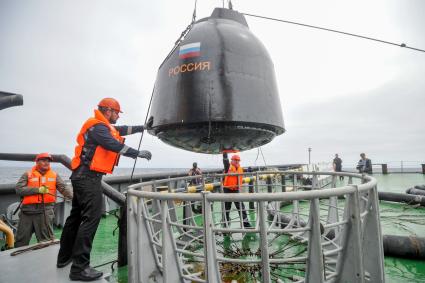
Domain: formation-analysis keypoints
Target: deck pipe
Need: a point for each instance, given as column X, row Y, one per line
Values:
column 10, row 237
column 404, row 198
column 404, row 246
column 109, row 191
column 397, row 246
column 415, row 191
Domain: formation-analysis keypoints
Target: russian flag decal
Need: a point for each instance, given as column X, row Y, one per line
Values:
column 190, row 50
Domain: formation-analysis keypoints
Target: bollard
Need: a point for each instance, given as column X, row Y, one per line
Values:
column 269, row 184
column 423, row 168
column 384, row 168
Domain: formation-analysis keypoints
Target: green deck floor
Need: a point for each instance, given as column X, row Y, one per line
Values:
column 396, row 219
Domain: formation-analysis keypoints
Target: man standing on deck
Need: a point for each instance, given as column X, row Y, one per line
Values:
column 364, row 165
column 337, row 165
column 99, row 146
column 232, row 185
column 37, row 187
column 194, row 171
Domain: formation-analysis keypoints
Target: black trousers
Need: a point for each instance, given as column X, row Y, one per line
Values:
column 239, row 206
column 340, row 177
column 81, row 225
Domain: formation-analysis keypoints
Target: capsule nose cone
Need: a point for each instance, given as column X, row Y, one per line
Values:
column 217, row 90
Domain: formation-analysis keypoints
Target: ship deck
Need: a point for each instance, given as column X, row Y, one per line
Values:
column 396, row 219
column 35, row 266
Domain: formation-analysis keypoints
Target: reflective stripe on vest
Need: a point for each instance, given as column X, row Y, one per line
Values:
column 36, row 180
column 103, row 160
column 231, row 182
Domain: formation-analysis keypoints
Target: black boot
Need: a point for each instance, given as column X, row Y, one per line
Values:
column 88, row 274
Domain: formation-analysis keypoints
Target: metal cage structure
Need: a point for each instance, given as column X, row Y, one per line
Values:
column 322, row 230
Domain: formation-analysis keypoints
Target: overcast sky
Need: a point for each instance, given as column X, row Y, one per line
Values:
column 339, row 94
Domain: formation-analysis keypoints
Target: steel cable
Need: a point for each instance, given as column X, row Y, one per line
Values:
column 336, row 31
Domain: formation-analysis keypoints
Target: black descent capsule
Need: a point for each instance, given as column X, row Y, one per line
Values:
column 217, row 90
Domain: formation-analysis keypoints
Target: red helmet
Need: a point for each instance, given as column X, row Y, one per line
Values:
column 44, row 155
column 110, row 103
column 236, row 157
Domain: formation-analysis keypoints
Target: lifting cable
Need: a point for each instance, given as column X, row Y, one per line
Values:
column 182, row 35
column 259, row 150
column 141, row 136
column 336, row 31
column 176, row 44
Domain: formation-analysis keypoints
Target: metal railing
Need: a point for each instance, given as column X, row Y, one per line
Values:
column 325, row 234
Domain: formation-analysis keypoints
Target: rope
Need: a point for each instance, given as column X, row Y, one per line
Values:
column 36, row 247
column 141, row 136
column 112, row 262
column 256, row 158
column 176, row 44
column 182, row 35
column 265, row 164
column 337, row 31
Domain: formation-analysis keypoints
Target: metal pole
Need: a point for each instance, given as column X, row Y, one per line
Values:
column 384, row 168
column 122, row 238
column 264, row 246
column 309, row 155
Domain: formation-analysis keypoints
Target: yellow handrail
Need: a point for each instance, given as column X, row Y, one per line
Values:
column 10, row 238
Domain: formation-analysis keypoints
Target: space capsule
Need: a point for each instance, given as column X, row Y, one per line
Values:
column 217, row 90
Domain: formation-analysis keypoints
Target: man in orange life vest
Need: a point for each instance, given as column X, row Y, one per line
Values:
column 37, row 187
column 232, row 185
column 99, row 146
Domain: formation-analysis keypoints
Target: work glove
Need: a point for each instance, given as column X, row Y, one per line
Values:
column 138, row 129
column 145, row 154
column 148, row 124
column 43, row 190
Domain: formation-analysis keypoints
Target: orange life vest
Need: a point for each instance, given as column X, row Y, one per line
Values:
column 231, row 182
column 103, row 160
column 36, row 180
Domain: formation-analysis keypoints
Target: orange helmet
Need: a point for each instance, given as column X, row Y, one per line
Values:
column 236, row 157
column 44, row 155
column 110, row 103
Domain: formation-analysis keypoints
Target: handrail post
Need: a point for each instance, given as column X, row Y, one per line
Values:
column 350, row 259
column 265, row 269
column 170, row 266
column 315, row 265
column 210, row 252
column 372, row 239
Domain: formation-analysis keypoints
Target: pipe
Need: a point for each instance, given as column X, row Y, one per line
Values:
column 420, row 187
column 109, row 191
column 414, row 191
column 406, row 198
column 10, row 238
column 58, row 158
column 398, row 246
column 403, row 246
